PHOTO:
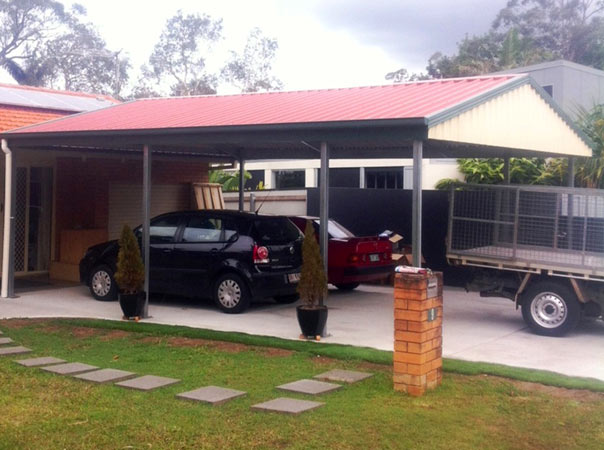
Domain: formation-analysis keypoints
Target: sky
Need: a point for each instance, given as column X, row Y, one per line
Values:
column 322, row 43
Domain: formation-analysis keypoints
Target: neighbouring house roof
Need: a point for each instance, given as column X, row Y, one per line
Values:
column 26, row 105
column 504, row 112
column 17, row 116
column 43, row 98
column 553, row 64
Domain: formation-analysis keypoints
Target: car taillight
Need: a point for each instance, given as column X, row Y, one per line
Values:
column 354, row 258
column 260, row 255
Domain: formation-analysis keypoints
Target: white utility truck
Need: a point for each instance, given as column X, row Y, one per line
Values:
column 542, row 247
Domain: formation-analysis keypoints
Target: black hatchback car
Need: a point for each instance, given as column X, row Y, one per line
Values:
column 233, row 257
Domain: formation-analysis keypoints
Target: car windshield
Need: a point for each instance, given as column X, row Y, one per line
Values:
column 276, row 230
column 337, row 231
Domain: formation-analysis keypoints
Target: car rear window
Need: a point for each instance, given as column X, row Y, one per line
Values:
column 335, row 230
column 275, row 230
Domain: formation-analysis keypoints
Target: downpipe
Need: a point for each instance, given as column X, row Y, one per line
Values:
column 8, row 208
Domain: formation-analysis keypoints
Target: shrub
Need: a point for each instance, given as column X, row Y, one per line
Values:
column 130, row 274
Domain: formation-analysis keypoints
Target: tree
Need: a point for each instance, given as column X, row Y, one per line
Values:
column 567, row 29
column 250, row 70
column 42, row 44
column 180, row 56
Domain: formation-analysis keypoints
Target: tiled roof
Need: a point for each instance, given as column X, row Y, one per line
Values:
column 15, row 117
column 395, row 101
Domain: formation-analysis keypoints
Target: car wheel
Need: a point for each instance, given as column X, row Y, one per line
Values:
column 347, row 286
column 287, row 299
column 102, row 284
column 550, row 309
column 231, row 294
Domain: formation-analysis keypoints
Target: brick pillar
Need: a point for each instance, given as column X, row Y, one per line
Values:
column 417, row 332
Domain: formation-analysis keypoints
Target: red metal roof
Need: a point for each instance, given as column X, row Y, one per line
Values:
column 396, row 101
column 15, row 116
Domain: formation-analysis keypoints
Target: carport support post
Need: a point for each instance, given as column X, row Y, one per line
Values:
column 324, row 204
column 241, row 181
column 146, row 221
column 417, row 203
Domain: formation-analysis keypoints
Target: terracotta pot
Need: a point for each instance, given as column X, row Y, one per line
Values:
column 312, row 320
column 132, row 304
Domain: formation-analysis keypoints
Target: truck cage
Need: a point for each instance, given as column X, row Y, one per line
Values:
column 558, row 231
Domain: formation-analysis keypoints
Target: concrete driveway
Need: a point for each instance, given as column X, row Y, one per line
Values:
column 475, row 329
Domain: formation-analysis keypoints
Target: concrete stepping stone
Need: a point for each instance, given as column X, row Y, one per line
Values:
column 311, row 387
column 43, row 361
column 147, row 382
column 285, row 405
column 5, row 340
column 343, row 376
column 13, row 350
column 212, row 394
column 69, row 368
column 105, row 375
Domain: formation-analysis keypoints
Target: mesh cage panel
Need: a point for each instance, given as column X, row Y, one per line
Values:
column 531, row 225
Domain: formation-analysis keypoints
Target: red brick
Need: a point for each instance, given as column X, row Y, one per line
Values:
column 400, row 325
column 400, row 346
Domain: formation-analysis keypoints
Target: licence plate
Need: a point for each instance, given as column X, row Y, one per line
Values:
column 293, row 277
column 374, row 257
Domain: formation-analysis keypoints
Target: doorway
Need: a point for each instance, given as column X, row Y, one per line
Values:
column 33, row 219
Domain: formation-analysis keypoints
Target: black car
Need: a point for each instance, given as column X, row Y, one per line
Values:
column 231, row 256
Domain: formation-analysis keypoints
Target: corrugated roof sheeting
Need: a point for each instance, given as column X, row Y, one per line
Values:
column 33, row 97
column 397, row 101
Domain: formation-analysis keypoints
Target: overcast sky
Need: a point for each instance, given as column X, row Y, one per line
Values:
column 322, row 43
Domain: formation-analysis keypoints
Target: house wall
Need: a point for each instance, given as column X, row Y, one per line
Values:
column 82, row 187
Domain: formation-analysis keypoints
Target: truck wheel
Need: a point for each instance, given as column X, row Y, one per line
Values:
column 550, row 308
column 231, row 294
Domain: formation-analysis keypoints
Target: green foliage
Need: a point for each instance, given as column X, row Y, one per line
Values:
column 250, row 70
column 313, row 280
column 179, row 58
column 44, row 44
column 228, row 180
column 130, row 274
column 490, row 171
column 526, row 32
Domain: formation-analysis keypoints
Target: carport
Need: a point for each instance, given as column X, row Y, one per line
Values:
column 493, row 116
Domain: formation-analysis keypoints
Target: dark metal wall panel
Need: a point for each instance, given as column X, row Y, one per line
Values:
column 371, row 211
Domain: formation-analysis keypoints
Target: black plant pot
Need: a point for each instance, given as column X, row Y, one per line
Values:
column 312, row 320
column 132, row 304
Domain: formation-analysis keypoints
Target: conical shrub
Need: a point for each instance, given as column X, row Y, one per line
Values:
column 313, row 280
column 130, row 274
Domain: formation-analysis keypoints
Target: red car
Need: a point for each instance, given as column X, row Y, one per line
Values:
column 353, row 260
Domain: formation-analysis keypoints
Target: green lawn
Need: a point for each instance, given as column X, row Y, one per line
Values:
column 42, row 410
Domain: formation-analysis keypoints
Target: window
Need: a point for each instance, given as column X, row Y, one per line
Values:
column 290, row 179
column 203, row 229
column 162, row 230
column 549, row 89
column 384, row 178
column 276, row 230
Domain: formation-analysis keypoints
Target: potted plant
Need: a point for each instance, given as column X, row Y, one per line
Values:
column 312, row 314
column 130, row 275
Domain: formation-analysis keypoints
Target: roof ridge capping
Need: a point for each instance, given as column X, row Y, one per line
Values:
column 349, row 88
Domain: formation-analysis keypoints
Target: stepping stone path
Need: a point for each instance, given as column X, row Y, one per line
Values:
column 147, row 382
column 5, row 340
column 287, row 406
column 105, row 375
column 13, row 350
column 43, row 361
column 69, row 368
column 311, row 387
column 212, row 394
column 343, row 376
